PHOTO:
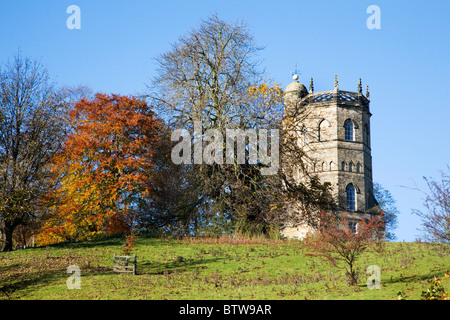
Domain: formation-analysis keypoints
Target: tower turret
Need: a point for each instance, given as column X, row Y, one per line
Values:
column 293, row 93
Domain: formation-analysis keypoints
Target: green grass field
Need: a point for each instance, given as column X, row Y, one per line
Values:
column 216, row 269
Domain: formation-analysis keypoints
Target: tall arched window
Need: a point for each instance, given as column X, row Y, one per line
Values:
column 350, row 167
column 324, row 130
column 366, row 129
column 349, row 134
column 351, row 197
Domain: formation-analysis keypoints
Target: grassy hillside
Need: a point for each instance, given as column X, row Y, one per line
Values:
column 215, row 269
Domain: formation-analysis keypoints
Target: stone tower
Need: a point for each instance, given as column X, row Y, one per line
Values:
column 335, row 134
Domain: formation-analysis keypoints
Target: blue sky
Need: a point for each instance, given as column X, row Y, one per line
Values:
column 405, row 63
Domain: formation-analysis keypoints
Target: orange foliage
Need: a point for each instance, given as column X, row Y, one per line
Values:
column 129, row 243
column 104, row 168
column 118, row 224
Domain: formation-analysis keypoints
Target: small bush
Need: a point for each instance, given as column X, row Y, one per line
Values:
column 436, row 291
column 129, row 243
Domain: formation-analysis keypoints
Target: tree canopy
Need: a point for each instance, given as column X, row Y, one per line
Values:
column 104, row 169
column 31, row 131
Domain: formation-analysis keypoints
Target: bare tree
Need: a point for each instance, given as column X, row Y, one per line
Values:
column 206, row 76
column 212, row 75
column 436, row 218
column 31, row 131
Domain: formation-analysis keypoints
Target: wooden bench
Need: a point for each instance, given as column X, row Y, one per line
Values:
column 125, row 264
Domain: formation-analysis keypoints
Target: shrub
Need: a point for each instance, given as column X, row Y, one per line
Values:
column 337, row 241
column 129, row 243
column 436, row 291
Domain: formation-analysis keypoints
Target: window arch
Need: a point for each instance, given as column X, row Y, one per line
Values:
column 323, row 130
column 358, row 167
column 343, row 166
column 350, row 166
column 351, row 197
column 349, row 130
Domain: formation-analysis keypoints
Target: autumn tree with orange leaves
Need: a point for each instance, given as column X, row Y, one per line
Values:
column 104, row 169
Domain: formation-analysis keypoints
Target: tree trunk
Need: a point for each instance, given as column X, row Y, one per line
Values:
column 353, row 277
column 9, row 229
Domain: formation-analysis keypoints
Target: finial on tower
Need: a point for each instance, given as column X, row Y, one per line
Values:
column 295, row 73
column 367, row 92
column 336, row 83
column 359, row 86
column 311, row 85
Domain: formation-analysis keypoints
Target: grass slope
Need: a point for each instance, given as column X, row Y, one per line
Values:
column 215, row 269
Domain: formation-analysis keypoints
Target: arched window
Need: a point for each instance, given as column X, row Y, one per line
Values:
column 351, row 197
column 358, row 167
column 343, row 166
column 350, row 167
column 349, row 134
column 366, row 129
column 324, row 130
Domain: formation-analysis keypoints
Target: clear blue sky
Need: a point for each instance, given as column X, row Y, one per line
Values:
column 405, row 63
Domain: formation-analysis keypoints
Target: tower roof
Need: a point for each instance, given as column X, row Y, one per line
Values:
column 296, row 87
